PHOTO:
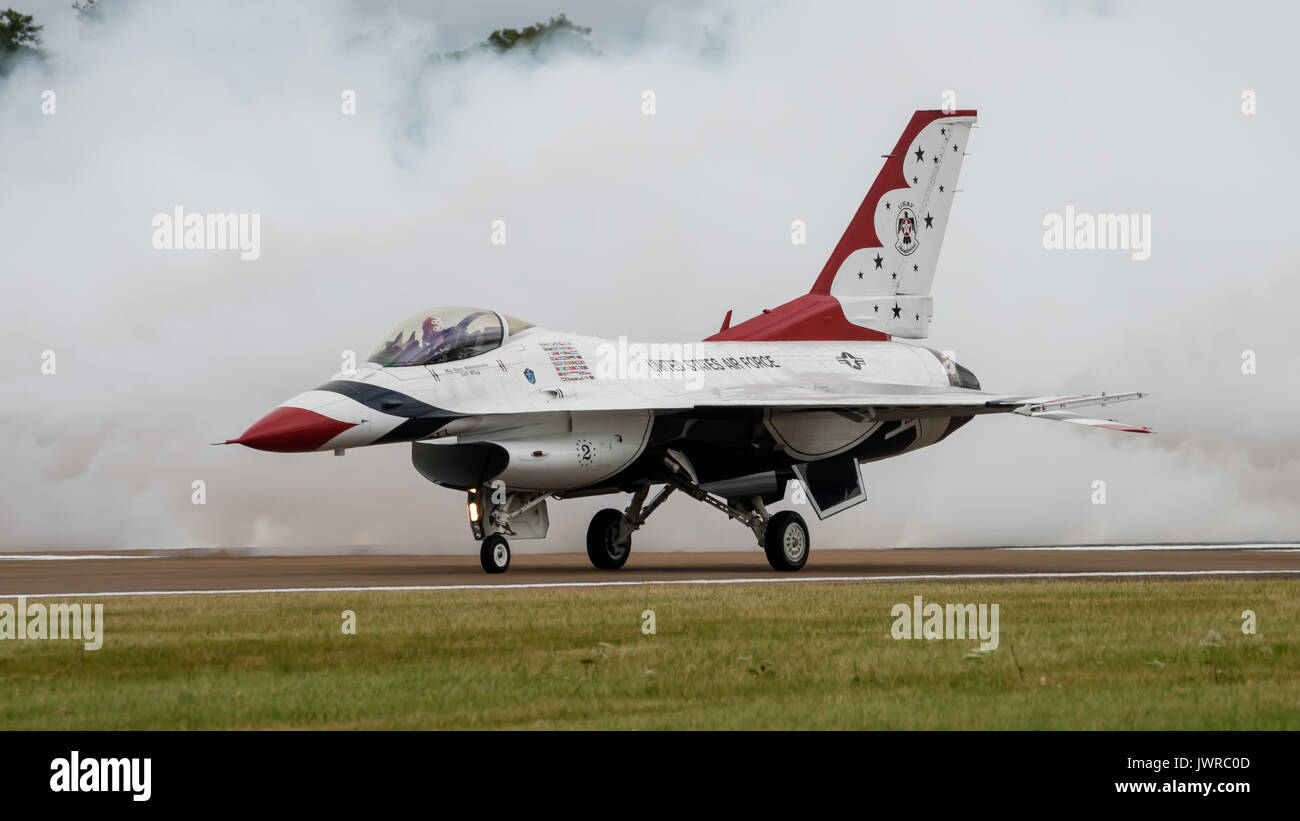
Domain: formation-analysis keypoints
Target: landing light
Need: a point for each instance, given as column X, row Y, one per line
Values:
column 473, row 511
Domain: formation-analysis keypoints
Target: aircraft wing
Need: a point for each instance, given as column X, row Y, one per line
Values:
column 886, row 405
column 924, row 404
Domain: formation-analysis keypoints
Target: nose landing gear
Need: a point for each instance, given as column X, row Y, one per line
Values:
column 494, row 554
column 495, row 513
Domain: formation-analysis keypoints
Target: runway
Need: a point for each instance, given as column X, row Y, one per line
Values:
column 178, row 572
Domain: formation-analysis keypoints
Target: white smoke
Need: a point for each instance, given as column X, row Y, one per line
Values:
column 649, row 226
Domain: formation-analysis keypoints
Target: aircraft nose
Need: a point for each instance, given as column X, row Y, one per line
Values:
column 291, row 430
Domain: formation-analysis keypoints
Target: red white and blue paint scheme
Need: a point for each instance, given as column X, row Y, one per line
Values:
column 513, row 414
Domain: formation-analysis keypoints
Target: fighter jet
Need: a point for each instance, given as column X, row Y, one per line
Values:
column 513, row 414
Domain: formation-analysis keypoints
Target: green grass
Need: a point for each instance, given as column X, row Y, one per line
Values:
column 1073, row 656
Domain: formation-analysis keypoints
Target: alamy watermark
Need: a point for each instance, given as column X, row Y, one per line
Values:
column 77, row 774
column 53, row 622
column 179, row 231
column 1098, row 232
column 946, row 621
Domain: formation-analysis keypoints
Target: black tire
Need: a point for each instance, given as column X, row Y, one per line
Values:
column 601, row 548
column 494, row 555
column 786, row 541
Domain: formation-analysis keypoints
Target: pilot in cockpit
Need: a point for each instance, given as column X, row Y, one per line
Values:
column 446, row 342
column 390, row 348
column 443, row 335
column 430, row 332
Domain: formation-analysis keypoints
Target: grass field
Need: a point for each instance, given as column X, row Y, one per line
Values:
column 1072, row 655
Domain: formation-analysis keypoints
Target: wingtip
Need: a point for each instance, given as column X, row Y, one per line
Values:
column 1120, row 426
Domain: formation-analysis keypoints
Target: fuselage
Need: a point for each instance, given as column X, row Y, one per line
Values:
column 566, row 412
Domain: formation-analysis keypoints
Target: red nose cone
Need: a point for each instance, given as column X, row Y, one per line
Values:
column 291, row 430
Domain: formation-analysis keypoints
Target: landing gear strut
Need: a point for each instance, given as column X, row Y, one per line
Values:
column 783, row 537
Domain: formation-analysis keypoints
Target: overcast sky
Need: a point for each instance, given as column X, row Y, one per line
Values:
column 649, row 226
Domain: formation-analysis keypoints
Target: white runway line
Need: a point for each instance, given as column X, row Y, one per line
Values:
column 59, row 557
column 1278, row 547
column 650, row 582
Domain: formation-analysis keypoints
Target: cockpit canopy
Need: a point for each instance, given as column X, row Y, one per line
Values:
column 444, row 335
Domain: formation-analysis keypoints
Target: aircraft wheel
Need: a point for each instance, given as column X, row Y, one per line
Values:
column 494, row 555
column 786, row 541
column 602, row 534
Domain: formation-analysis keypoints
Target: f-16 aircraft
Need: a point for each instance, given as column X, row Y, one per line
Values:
column 513, row 414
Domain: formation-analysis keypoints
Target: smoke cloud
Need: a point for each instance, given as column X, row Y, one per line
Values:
column 648, row 226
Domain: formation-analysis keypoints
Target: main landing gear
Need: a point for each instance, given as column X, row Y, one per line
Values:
column 609, row 541
column 609, row 536
column 783, row 536
column 785, row 541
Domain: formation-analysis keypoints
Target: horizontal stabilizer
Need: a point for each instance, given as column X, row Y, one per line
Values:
column 1055, row 411
column 1109, row 424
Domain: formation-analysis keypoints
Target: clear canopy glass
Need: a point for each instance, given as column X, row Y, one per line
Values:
column 443, row 335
